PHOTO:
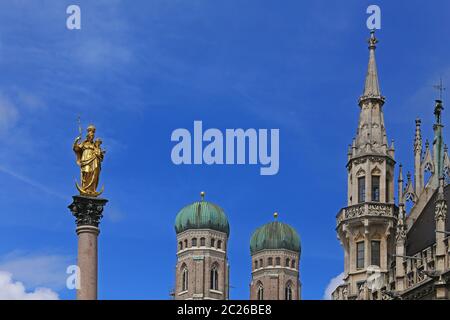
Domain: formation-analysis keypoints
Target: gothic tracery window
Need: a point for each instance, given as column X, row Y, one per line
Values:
column 360, row 255
column 375, row 253
column 185, row 279
column 214, row 279
column 260, row 295
column 361, row 189
column 288, row 291
column 376, row 188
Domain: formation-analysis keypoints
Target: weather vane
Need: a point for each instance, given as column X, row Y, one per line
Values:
column 440, row 87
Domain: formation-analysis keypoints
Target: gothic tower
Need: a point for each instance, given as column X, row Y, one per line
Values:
column 275, row 251
column 366, row 226
column 202, row 270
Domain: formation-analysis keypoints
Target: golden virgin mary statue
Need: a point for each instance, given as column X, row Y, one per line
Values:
column 89, row 158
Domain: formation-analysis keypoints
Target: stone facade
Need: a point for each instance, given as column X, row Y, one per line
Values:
column 275, row 275
column 202, row 270
column 411, row 246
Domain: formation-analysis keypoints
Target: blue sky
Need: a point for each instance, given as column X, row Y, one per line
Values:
column 143, row 69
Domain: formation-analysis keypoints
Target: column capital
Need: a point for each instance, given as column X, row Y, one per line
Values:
column 87, row 210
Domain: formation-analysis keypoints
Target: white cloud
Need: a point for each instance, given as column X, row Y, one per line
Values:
column 37, row 270
column 15, row 290
column 332, row 285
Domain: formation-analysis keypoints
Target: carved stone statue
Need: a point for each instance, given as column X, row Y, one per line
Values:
column 89, row 158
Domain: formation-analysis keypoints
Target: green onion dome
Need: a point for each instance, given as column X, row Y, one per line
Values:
column 275, row 235
column 202, row 215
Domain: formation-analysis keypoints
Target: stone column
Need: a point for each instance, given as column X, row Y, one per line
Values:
column 88, row 213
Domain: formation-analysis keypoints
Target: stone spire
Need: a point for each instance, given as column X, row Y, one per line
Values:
column 438, row 147
column 418, row 174
column 371, row 135
column 372, row 87
column 400, row 184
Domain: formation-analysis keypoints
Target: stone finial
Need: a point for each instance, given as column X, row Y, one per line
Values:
column 418, row 137
column 400, row 173
column 372, row 40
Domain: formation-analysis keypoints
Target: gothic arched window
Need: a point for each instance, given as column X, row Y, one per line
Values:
column 293, row 263
column 256, row 264
column 288, row 291
column 185, row 243
column 185, row 279
column 288, row 262
column 361, row 189
column 180, row 245
column 219, row 244
column 213, row 243
column 202, row 242
column 194, row 242
column 260, row 295
column 375, row 188
column 214, row 281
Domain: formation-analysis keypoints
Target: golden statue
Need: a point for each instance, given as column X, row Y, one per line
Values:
column 89, row 158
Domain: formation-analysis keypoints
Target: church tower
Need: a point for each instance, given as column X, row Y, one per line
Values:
column 275, row 251
column 366, row 227
column 202, row 270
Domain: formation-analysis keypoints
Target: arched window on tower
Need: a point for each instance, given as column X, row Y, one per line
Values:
column 288, row 291
column 256, row 264
column 260, row 292
column 270, row 261
column 361, row 189
column 202, row 242
column 214, row 280
column 277, row 261
column 194, row 242
column 180, row 245
column 213, row 243
column 376, row 188
column 185, row 279
column 219, row 244
column 293, row 264
column 288, row 262
column 261, row 263
column 185, row 243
